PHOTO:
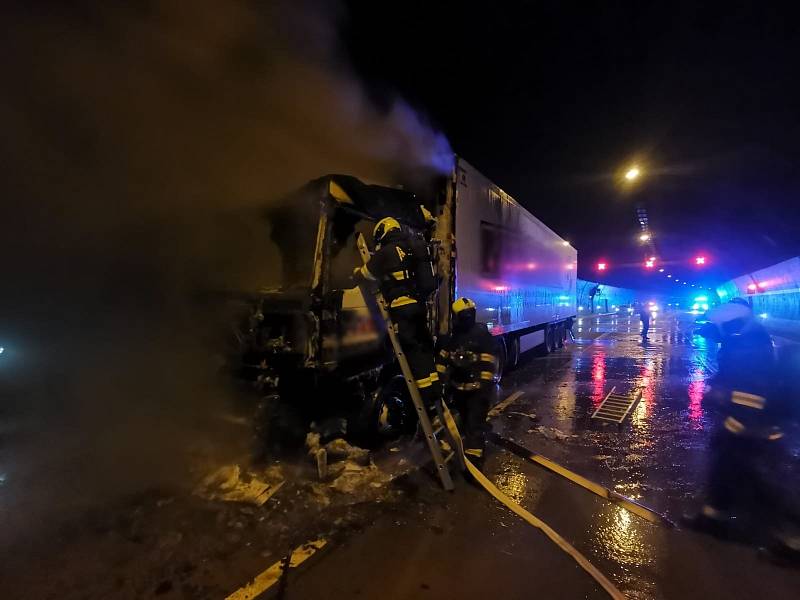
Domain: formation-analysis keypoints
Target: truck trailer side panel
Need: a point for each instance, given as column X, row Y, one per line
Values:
column 520, row 273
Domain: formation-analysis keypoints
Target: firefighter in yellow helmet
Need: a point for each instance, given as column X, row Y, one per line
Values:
column 467, row 362
column 402, row 276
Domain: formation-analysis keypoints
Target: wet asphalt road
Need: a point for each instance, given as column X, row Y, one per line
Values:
column 470, row 547
column 409, row 539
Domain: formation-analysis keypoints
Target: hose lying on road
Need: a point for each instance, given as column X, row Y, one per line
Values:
column 630, row 505
column 527, row 516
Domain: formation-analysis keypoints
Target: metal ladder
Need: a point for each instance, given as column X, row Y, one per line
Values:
column 422, row 414
column 615, row 407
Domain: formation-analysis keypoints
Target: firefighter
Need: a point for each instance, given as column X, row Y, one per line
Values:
column 468, row 362
column 401, row 277
column 747, row 450
column 644, row 315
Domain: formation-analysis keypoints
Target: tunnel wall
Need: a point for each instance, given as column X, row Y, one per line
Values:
column 608, row 294
column 777, row 298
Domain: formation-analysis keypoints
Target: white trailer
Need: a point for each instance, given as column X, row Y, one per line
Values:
column 520, row 273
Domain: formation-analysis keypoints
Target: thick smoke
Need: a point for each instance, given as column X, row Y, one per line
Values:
column 137, row 144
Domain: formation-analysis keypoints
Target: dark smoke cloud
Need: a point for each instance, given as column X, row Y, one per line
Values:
column 136, row 143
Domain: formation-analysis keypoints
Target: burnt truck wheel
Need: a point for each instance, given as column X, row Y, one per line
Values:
column 386, row 412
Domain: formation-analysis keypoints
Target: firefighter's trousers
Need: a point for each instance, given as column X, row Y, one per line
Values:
column 411, row 321
column 473, row 406
column 747, row 474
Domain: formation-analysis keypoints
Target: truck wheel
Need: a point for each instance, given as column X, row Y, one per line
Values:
column 512, row 345
column 502, row 359
column 550, row 339
column 386, row 413
column 560, row 335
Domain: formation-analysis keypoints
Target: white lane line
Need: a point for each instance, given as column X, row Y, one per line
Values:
column 504, row 404
column 270, row 576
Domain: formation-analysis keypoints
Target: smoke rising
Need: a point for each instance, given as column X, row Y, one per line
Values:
column 136, row 144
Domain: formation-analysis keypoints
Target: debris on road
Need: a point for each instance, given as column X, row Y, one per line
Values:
column 531, row 416
column 551, row 433
column 346, row 469
column 230, row 484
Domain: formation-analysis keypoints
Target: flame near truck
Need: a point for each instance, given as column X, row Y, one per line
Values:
column 311, row 344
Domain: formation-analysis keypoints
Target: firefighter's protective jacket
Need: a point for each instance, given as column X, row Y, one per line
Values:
column 393, row 266
column 467, row 359
column 746, row 382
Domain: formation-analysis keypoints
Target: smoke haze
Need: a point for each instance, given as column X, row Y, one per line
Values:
column 137, row 143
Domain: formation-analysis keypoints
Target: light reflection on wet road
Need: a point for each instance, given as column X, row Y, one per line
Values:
column 657, row 457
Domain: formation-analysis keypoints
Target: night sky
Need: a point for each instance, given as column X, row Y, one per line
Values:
column 552, row 99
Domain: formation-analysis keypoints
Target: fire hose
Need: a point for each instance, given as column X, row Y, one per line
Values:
column 527, row 516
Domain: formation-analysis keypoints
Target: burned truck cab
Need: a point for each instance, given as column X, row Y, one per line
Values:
column 311, row 342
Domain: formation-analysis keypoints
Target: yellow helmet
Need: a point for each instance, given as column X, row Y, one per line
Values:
column 383, row 227
column 463, row 304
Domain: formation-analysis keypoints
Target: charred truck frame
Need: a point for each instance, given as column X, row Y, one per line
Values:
column 311, row 342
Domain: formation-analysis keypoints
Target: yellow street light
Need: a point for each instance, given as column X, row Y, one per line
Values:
column 645, row 237
column 633, row 173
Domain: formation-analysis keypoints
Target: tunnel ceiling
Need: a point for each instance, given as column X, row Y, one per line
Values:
column 551, row 101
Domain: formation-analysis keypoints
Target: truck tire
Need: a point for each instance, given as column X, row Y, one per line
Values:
column 549, row 339
column 560, row 335
column 502, row 358
column 386, row 413
column 512, row 352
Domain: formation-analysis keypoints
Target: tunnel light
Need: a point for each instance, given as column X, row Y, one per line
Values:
column 632, row 174
column 670, row 276
column 601, row 266
column 649, row 264
column 645, row 237
column 661, row 270
column 700, row 260
column 763, row 315
column 565, row 243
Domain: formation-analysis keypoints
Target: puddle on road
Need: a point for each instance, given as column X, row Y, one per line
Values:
column 655, row 457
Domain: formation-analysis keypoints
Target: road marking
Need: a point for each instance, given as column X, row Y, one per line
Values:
column 269, row 577
column 504, row 404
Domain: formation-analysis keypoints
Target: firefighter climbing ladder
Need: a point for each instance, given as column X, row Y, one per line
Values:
column 454, row 439
column 422, row 414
